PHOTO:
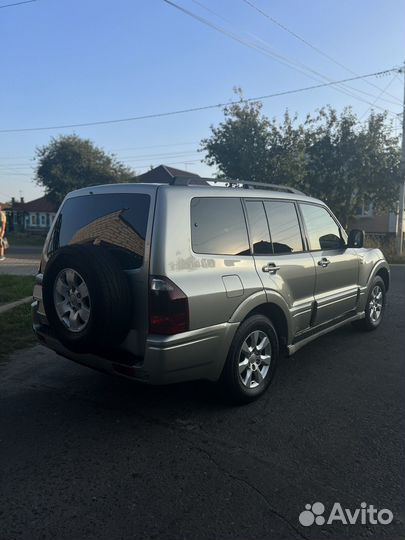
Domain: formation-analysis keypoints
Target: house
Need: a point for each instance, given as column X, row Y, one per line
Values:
column 36, row 216
column 164, row 175
column 375, row 223
column 32, row 216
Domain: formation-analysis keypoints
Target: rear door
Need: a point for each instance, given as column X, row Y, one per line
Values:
column 280, row 256
column 337, row 269
column 223, row 271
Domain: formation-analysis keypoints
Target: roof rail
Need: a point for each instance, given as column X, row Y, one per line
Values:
column 198, row 180
column 261, row 185
column 188, row 181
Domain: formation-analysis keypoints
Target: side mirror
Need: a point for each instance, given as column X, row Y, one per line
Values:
column 356, row 239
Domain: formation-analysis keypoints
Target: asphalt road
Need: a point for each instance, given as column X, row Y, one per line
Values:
column 21, row 260
column 83, row 455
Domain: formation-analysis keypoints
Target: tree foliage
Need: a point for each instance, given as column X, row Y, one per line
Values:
column 331, row 156
column 69, row 162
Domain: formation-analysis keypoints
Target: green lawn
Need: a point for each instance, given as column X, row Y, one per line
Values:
column 15, row 287
column 15, row 330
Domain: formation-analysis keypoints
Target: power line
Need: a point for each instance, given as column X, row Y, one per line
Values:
column 266, row 51
column 145, row 166
column 17, row 4
column 113, row 150
column 269, row 53
column 202, row 108
column 379, row 96
column 311, row 45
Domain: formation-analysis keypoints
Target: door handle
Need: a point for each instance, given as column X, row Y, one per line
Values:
column 324, row 262
column 271, row 268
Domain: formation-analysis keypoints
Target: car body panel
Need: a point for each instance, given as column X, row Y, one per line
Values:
column 336, row 287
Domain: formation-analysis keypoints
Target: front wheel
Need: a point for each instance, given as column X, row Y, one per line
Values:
column 375, row 306
column 251, row 360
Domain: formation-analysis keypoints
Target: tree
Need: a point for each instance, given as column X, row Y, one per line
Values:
column 239, row 145
column 69, row 162
column 349, row 163
column 329, row 156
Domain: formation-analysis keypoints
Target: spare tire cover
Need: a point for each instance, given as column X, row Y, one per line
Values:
column 87, row 298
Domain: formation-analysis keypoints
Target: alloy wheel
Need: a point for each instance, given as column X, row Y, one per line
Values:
column 376, row 303
column 72, row 300
column 254, row 359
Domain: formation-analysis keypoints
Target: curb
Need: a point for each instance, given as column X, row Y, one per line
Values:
column 11, row 305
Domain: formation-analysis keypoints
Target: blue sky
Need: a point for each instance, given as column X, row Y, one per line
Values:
column 66, row 62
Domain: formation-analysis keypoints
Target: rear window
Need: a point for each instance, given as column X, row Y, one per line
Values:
column 218, row 226
column 115, row 220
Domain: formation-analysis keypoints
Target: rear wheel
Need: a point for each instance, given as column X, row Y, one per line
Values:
column 375, row 306
column 251, row 360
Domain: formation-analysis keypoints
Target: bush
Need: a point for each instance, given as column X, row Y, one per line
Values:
column 387, row 244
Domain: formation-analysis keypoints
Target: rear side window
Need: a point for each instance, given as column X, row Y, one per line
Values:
column 259, row 230
column 218, row 226
column 284, row 226
column 116, row 220
column 323, row 231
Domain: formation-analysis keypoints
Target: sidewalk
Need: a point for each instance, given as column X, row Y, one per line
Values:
column 11, row 305
column 20, row 266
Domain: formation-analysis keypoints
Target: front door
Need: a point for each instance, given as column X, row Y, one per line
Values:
column 337, row 268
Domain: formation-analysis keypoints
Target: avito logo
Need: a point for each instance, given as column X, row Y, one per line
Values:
column 366, row 514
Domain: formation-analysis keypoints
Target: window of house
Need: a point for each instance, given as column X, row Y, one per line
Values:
column 218, row 226
column 284, row 226
column 364, row 210
column 33, row 219
column 323, row 231
column 43, row 220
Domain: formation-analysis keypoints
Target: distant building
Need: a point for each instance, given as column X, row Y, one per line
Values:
column 164, row 175
column 32, row 216
column 373, row 222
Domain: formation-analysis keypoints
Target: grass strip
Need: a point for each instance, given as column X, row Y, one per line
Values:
column 15, row 287
column 15, row 330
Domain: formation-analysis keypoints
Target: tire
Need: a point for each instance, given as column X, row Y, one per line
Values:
column 245, row 379
column 87, row 298
column 375, row 306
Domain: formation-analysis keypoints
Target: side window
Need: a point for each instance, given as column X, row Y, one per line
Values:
column 323, row 232
column 284, row 227
column 259, row 229
column 218, row 226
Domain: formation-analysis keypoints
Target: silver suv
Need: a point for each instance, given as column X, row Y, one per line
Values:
column 166, row 283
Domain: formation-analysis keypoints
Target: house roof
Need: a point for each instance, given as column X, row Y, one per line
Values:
column 43, row 204
column 163, row 174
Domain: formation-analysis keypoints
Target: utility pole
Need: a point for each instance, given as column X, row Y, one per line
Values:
column 402, row 173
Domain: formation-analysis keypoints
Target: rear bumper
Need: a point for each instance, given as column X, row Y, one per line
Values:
column 197, row 354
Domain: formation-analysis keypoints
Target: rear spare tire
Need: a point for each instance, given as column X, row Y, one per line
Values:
column 87, row 298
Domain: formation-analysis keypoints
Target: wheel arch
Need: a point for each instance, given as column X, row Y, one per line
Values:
column 385, row 276
column 277, row 316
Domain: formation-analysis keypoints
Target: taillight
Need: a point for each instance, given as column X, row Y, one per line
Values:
column 168, row 307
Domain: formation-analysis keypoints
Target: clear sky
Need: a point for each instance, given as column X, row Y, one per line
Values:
column 74, row 61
